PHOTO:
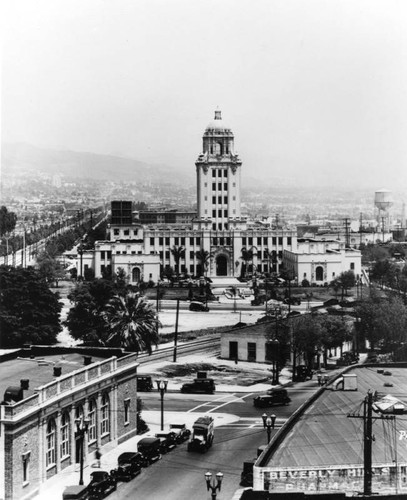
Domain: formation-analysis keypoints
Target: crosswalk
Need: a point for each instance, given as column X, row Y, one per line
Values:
column 251, row 423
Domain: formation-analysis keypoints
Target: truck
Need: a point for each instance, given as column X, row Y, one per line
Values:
column 202, row 434
column 204, row 385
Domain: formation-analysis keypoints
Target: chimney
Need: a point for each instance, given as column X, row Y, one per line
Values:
column 57, row 371
column 87, row 360
column 24, row 384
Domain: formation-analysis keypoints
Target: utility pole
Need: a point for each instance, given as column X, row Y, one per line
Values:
column 360, row 228
column 176, row 333
column 347, row 239
column 368, row 439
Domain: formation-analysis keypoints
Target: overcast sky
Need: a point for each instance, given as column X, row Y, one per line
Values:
column 309, row 87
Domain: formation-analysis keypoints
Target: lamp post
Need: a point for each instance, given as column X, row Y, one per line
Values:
column 162, row 389
column 82, row 426
column 80, row 252
column 268, row 424
column 211, row 485
column 275, row 343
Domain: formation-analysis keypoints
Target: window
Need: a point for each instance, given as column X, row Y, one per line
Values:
column 214, row 199
column 352, row 266
column 92, row 421
column 26, row 470
column 191, row 241
column 102, row 268
column 191, row 254
column 250, row 241
column 161, row 255
column 64, row 451
column 176, row 241
column 213, row 213
column 135, row 232
column 289, row 240
column 126, row 232
column 228, row 240
column 259, row 240
column 220, row 226
column 214, row 172
column 50, row 443
column 219, row 213
column 219, row 173
column 225, row 172
column 213, row 186
column 213, row 227
column 219, row 199
column 219, row 186
column 265, row 240
column 225, row 186
column 152, row 241
column 280, row 240
column 206, row 198
column 167, row 254
column 251, row 351
column 160, row 241
column 167, row 241
column 215, row 241
column 127, row 411
column 305, row 275
column 102, row 254
column 191, row 269
column 109, row 254
column 116, row 232
column 225, row 213
column 104, row 415
column 333, row 275
column 183, row 241
column 198, row 241
column 225, row 200
column 221, row 241
column 274, row 240
column 244, row 241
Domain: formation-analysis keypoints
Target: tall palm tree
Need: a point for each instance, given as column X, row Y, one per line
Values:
column 204, row 257
column 178, row 253
column 247, row 256
column 271, row 256
column 132, row 323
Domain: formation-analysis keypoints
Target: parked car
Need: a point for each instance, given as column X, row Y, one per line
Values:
column 303, row 373
column 150, row 448
column 129, row 464
column 181, row 432
column 75, row 492
column 199, row 385
column 144, row 383
column 294, row 301
column 101, row 484
column 195, row 305
column 273, row 397
column 168, row 441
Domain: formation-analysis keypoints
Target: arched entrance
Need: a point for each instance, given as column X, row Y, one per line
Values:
column 136, row 275
column 221, row 265
column 319, row 273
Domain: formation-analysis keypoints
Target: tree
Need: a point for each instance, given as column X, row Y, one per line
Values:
column 271, row 256
column 247, row 256
column 8, row 221
column 204, row 257
column 178, row 253
column 50, row 268
column 29, row 311
column 344, row 281
column 334, row 332
column 132, row 323
column 306, row 338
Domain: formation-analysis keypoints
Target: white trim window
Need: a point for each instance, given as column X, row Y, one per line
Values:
column 50, row 442
column 92, row 421
column 64, row 433
column 104, row 415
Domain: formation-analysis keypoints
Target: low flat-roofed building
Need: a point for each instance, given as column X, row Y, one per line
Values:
column 43, row 392
column 320, row 449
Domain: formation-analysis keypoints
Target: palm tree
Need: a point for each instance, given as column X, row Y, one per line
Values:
column 247, row 256
column 132, row 322
column 178, row 253
column 204, row 257
column 271, row 256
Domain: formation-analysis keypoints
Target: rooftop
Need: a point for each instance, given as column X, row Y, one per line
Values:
column 324, row 435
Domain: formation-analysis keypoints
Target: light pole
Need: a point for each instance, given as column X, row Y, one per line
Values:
column 268, row 424
column 82, row 426
column 80, row 252
column 162, row 389
column 275, row 343
column 211, row 485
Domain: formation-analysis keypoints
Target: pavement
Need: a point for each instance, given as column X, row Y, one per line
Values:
column 54, row 487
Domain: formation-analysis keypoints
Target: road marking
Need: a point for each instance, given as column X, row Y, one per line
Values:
column 230, row 399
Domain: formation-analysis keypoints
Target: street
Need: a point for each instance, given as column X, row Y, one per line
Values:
column 179, row 475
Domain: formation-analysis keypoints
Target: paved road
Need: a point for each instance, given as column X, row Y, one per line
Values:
column 180, row 475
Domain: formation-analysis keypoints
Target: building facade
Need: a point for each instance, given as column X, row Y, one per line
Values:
column 38, row 437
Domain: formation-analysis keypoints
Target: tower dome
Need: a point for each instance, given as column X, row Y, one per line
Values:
column 217, row 124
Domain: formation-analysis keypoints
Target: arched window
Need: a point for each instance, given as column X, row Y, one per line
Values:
column 64, row 436
column 50, row 443
column 218, row 148
column 104, row 415
column 78, row 412
column 136, row 275
column 319, row 273
column 92, row 421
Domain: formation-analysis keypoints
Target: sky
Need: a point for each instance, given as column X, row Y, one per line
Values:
column 310, row 88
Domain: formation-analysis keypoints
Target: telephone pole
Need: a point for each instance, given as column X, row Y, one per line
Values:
column 347, row 239
column 368, row 439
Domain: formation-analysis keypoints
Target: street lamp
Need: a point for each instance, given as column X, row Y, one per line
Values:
column 80, row 252
column 268, row 424
column 162, row 389
column 275, row 343
column 82, row 426
column 211, row 485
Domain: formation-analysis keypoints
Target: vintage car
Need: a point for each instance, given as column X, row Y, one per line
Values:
column 150, row 448
column 168, row 441
column 195, row 305
column 273, row 397
column 76, row 492
column 129, row 465
column 144, row 383
column 181, row 432
column 101, row 484
column 204, row 385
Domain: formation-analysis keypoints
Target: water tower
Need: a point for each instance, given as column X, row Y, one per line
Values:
column 383, row 201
